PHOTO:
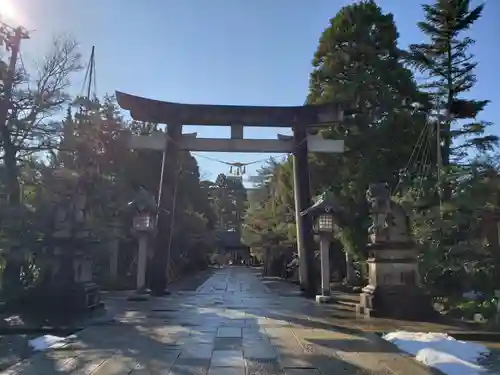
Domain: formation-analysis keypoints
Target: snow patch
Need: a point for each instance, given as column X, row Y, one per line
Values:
column 443, row 352
column 49, row 342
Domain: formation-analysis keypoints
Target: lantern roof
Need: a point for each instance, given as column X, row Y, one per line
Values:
column 144, row 201
column 325, row 203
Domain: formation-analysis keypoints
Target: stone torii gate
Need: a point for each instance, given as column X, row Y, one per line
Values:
column 298, row 118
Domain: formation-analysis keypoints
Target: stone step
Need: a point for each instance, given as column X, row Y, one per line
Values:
column 345, row 298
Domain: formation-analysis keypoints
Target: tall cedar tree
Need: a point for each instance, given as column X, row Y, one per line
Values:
column 449, row 65
column 358, row 59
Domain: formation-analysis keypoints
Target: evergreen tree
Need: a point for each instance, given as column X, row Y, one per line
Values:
column 452, row 237
column 449, row 65
column 358, row 61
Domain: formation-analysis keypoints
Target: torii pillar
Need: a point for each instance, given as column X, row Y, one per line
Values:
column 302, row 197
column 160, row 265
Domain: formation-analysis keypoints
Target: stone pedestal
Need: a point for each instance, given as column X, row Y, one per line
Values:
column 394, row 288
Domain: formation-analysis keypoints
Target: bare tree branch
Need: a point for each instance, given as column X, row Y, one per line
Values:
column 36, row 101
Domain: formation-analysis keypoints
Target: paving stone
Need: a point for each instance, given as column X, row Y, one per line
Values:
column 302, row 371
column 84, row 364
column 256, row 341
column 226, row 371
column 240, row 323
column 207, row 329
column 158, row 354
column 199, row 351
column 227, row 358
column 254, row 334
column 265, row 351
column 41, row 364
column 229, row 332
column 232, row 323
column 152, row 368
column 190, row 366
column 118, row 364
column 295, row 362
column 228, row 343
column 263, row 367
column 281, row 332
column 200, row 338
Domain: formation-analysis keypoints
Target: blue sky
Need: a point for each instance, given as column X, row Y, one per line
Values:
column 254, row 52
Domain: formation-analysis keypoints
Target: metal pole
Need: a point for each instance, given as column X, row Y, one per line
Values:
column 439, row 161
column 299, row 228
column 162, row 174
column 172, row 221
column 91, row 73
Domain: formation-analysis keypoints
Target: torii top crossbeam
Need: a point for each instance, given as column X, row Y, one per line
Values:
column 156, row 111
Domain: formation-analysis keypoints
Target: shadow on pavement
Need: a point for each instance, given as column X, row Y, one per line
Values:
column 231, row 321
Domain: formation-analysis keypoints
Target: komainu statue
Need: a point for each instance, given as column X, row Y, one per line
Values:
column 389, row 220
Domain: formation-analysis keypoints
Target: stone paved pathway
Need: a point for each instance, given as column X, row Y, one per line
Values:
column 231, row 325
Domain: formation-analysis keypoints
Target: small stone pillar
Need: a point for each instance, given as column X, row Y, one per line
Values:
column 393, row 290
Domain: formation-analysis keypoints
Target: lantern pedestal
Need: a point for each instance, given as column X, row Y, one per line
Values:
column 141, row 293
column 394, row 288
column 323, row 299
column 142, row 259
column 143, row 226
column 325, row 269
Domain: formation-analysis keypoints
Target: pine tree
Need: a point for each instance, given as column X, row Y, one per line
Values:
column 450, row 67
column 451, row 236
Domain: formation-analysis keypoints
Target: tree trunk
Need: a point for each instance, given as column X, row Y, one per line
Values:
column 267, row 261
column 11, row 278
column 113, row 259
column 11, row 173
column 350, row 276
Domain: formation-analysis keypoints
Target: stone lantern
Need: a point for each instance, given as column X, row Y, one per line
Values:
column 71, row 282
column 143, row 225
column 326, row 215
